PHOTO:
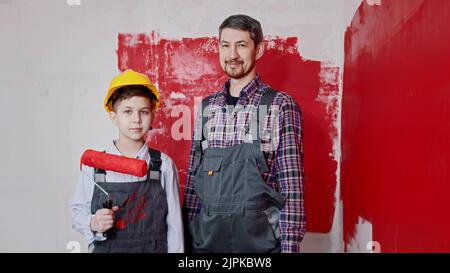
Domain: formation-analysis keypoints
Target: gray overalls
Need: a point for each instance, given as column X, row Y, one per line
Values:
column 234, row 197
column 140, row 223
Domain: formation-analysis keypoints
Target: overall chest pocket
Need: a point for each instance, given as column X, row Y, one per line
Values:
column 211, row 176
column 223, row 178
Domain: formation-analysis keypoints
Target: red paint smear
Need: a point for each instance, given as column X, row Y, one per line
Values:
column 396, row 127
column 190, row 66
column 120, row 224
column 134, row 211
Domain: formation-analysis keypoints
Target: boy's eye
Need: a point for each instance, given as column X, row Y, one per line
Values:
column 242, row 45
column 224, row 45
column 144, row 112
column 127, row 111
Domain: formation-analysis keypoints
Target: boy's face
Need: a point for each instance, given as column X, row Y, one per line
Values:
column 133, row 118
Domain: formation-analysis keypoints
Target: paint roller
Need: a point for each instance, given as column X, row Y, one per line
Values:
column 115, row 163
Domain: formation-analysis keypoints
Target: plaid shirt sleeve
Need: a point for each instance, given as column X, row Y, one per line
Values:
column 290, row 176
column 191, row 206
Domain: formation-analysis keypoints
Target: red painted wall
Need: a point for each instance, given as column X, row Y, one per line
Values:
column 396, row 124
column 190, row 68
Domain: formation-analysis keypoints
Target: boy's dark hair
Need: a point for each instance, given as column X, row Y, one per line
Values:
column 245, row 23
column 130, row 91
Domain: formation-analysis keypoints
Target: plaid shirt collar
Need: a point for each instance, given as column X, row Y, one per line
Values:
column 244, row 96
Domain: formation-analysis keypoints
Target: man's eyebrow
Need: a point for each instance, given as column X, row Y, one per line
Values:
column 238, row 42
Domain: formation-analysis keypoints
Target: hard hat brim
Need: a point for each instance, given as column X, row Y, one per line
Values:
column 109, row 103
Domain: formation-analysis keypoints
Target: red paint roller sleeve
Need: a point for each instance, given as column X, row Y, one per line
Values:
column 115, row 163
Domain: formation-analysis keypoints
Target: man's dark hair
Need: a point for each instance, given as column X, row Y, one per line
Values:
column 245, row 23
column 129, row 91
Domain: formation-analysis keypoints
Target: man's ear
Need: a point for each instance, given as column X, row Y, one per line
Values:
column 259, row 50
column 113, row 117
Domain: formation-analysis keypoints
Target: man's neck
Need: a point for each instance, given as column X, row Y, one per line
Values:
column 236, row 85
column 129, row 148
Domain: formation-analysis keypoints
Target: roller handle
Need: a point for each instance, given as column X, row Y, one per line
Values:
column 108, row 204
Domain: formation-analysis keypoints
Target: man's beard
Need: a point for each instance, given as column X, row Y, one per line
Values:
column 238, row 72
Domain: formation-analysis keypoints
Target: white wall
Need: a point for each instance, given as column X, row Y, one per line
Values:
column 56, row 63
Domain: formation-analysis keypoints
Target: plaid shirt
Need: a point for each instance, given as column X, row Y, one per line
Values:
column 281, row 143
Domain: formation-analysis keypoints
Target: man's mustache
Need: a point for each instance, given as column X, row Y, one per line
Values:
column 234, row 62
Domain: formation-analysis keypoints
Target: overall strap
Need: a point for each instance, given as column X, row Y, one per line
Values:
column 205, row 116
column 154, row 170
column 204, row 133
column 261, row 113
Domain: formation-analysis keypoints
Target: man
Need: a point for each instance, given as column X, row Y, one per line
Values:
column 244, row 189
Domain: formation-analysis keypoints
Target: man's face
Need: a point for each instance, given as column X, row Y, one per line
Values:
column 238, row 53
column 133, row 118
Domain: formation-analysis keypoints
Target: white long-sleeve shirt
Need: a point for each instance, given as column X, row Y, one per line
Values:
column 81, row 201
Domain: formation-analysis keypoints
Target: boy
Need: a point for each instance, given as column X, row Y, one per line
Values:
column 145, row 215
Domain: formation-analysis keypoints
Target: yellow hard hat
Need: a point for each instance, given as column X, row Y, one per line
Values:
column 130, row 77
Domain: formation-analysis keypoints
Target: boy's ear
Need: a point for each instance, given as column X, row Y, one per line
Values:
column 113, row 117
column 153, row 115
